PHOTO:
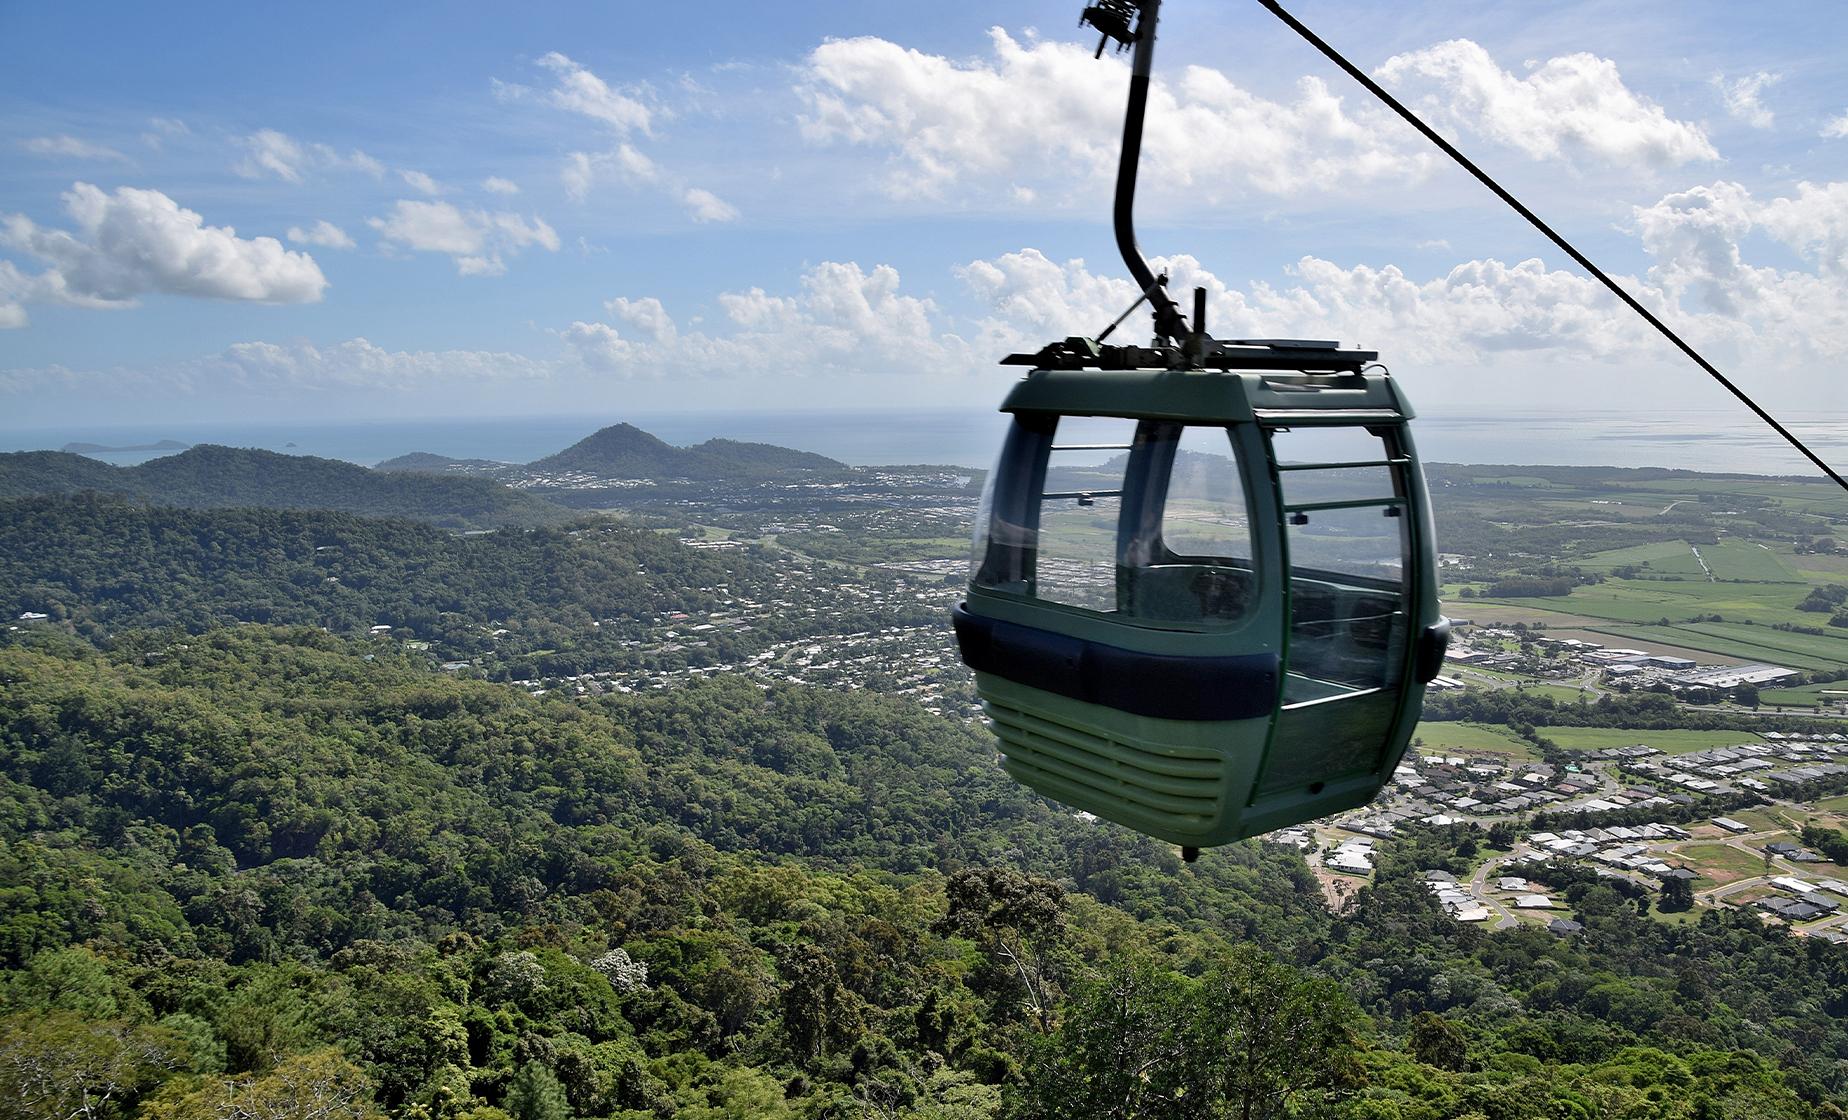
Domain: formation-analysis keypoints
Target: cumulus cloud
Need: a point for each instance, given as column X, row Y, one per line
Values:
column 624, row 116
column 1836, row 128
column 1797, row 316
column 1480, row 311
column 1476, row 309
column 1044, row 113
column 705, row 206
column 598, row 346
column 494, row 184
column 420, row 182
column 645, row 314
column 1574, row 108
column 477, row 240
column 1741, row 97
column 843, row 320
column 70, row 147
column 268, row 152
column 136, row 241
column 323, row 233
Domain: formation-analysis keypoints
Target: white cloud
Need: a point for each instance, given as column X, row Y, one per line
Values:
column 597, row 345
column 269, row 152
column 1777, row 316
column 1465, row 316
column 1574, row 108
column 708, row 207
column 494, row 184
column 1486, row 311
column 475, row 239
column 1038, row 114
column 418, row 181
column 579, row 91
column 162, row 129
column 1836, row 128
column 267, row 367
column 845, row 320
column 583, row 170
column 1741, row 97
column 323, row 233
column 70, row 146
column 15, row 289
column 358, row 362
column 138, row 241
column 646, row 314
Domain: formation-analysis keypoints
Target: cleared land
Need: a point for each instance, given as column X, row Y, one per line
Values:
column 1470, row 738
column 1721, row 863
column 1668, row 742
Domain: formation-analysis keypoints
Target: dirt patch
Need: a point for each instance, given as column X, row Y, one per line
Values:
column 1338, row 890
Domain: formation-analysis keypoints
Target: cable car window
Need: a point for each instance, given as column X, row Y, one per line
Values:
column 1186, row 530
column 1204, row 517
column 1079, row 508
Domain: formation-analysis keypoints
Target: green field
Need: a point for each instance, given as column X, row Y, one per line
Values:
column 1743, row 560
column 1809, row 696
column 1721, row 857
column 1470, row 738
column 1562, row 693
column 1747, row 643
column 1669, row 742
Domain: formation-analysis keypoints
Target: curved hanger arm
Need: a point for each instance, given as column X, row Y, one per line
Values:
column 1169, row 321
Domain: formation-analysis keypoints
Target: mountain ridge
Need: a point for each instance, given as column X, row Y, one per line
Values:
column 210, row 476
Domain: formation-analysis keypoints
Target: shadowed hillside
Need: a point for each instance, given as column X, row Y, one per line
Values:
column 210, row 476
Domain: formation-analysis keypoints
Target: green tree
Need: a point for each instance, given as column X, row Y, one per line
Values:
column 1277, row 1041
column 536, row 1095
column 1123, row 1051
column 1019, row 921
column 62, row 1065
column 1435, row 1041
column 320, row 1085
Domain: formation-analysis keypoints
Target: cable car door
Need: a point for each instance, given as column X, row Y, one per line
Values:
column 1349, row 520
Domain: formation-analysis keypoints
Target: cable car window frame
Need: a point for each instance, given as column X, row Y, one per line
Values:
column 1007, row 532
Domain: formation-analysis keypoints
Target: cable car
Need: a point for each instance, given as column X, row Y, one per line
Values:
column 1203, row 599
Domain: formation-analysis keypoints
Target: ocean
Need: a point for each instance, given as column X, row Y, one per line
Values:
column 1711, row 441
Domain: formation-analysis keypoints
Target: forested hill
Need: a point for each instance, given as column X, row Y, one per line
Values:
column 104, row 565
column 209, row 476
column 625, row 451
column 264, row 870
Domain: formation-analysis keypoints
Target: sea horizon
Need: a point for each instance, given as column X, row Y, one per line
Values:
column 1712, row 442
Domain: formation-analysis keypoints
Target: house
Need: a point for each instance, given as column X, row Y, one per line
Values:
column 1564, row 927
column 1790, row 909
column 1510, row 883
column 1791, row 852
column 1533, row 902
column 1731, row 825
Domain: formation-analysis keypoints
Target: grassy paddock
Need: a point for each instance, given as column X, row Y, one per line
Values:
column 1470, row 738
column 1721, row 863
column 1669, row 742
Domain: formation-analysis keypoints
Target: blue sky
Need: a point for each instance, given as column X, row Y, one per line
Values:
column 249, row 213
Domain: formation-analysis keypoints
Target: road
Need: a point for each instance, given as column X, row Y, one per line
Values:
column 1501, row 916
